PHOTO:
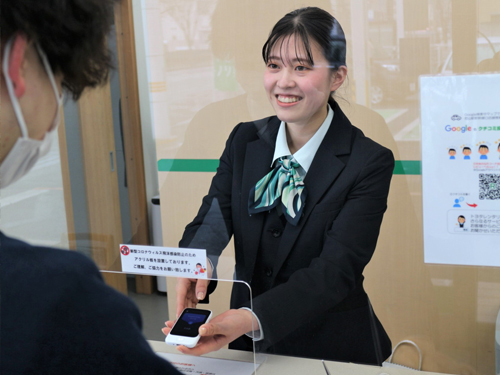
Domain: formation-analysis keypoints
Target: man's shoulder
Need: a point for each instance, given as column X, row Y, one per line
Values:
column 48, row 275
column 63, row 318
column 17, row 255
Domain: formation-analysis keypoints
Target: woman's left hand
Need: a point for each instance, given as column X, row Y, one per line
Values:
column 219, row 332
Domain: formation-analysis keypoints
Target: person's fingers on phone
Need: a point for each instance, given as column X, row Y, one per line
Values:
column 190, row 304
column 211, row 329
column 181, row 289
column 183, row 349
column 191, row 294
column 201, row 289
column 205, row 345
column 209, row 341
column 220, row 331
column 169, row 324
column 183, row 293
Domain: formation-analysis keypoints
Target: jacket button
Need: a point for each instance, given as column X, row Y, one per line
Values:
column 276, row 233
column 269, row 272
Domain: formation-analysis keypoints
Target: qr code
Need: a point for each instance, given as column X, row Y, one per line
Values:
column 489, row 186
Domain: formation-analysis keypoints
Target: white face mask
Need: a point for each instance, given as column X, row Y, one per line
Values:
column 26, row 151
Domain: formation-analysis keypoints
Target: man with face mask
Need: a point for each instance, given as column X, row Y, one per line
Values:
column 57, row 315
column 26, row 151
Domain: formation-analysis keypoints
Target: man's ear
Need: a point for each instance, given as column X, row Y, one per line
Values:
column 16, row 62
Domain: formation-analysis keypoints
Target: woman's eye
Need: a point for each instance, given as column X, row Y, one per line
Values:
column 301, row 68
column 272, row 66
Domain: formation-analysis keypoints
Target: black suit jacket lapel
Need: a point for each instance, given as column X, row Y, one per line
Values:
column 324, row 170
column 258, row 159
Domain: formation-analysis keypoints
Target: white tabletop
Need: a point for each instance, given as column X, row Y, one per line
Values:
column 276, row 364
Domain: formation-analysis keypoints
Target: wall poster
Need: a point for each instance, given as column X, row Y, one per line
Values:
column 461, row 169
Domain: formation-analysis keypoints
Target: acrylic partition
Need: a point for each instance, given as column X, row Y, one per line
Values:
column 158, row 308
column 205, row 75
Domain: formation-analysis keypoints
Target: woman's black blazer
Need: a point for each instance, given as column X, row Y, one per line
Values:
column 317, row 306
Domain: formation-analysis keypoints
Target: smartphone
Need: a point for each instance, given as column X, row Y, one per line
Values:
column 185, row 330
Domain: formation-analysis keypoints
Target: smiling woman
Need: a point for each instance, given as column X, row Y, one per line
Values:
column 299, row 87
column 296, row 190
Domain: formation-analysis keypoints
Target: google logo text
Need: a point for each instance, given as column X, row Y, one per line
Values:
column 461, row 129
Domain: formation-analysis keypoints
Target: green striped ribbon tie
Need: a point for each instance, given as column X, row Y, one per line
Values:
column 282, row 182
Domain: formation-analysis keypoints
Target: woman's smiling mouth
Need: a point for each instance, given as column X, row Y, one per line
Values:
column 288, row 99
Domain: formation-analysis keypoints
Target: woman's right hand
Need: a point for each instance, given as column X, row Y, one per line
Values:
column 190, row 291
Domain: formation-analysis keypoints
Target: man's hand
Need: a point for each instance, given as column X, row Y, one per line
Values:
column 220, row 331
column 190, row 291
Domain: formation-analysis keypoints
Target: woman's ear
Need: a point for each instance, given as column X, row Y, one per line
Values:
column 16, row 68
column 338, row 78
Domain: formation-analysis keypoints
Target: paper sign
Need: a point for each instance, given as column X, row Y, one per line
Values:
column 164, row 261
column 461, row 169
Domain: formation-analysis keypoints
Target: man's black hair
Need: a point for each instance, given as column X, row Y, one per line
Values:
column 72, row 33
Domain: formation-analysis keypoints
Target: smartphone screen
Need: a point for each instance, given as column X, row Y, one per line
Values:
column 189, row 322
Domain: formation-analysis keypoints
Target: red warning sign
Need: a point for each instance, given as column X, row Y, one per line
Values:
column 125, row 250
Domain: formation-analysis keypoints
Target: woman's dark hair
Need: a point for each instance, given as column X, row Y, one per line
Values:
column 72, row 33
column 310, row 25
